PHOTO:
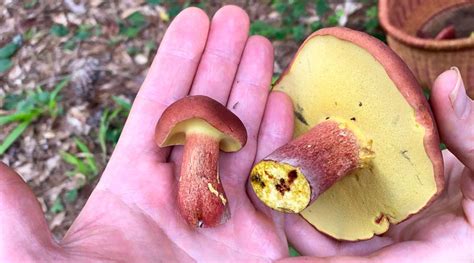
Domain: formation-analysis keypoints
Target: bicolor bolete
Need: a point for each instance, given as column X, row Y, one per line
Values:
column 204, row 127
column 366, row 153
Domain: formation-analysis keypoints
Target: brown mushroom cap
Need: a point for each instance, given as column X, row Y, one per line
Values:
column 200, row 114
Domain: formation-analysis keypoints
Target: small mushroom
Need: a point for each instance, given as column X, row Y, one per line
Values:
column 449, row 32
column 203, row 126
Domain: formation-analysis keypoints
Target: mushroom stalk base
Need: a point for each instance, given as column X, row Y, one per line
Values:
column 201, row 198
column 293, row 176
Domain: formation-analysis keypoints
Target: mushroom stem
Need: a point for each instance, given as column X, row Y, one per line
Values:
column 294, row 175
column 202, row 200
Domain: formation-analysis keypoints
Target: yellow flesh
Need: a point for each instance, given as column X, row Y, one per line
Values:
column 292, row 201
column 331, row 78
column 178, row 134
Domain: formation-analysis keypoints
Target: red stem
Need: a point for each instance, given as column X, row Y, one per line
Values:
column 201, row 197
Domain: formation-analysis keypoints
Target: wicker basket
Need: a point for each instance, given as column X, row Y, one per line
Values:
column 427, row 58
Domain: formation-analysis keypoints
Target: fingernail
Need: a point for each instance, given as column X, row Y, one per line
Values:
column 458, row 97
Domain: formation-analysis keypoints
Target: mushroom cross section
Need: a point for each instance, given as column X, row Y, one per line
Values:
column 203, row 126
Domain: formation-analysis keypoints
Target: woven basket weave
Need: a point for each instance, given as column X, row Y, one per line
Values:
column 427, row 58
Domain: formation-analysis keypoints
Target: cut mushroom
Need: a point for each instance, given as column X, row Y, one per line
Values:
column 368, row 153
column 203, row 126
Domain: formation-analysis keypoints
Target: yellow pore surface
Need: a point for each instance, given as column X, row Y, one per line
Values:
column 271, row 183
column 177, row 135
column 335, row 78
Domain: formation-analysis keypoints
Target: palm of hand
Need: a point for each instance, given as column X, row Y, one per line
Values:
column 132, row 213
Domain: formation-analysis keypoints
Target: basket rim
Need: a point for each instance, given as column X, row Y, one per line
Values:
column 431, row 44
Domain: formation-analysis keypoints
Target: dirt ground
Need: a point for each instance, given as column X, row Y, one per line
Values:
column 104, row 57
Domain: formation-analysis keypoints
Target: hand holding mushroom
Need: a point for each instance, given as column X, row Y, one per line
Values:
column 203, row 126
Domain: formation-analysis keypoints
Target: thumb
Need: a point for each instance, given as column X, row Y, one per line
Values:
column 24, row 234
column 454, row 113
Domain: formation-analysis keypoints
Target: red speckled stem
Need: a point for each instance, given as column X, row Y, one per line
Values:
column 324, row 155
column 201, row 197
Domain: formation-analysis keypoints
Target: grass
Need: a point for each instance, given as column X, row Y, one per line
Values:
column 111, row 124
column 83, row 161
column 291, row 25
column 28, row 109
column 7, row 52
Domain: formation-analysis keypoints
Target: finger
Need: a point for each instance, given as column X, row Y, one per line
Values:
column 247, row 101
column 136, row 172
column 169, row 78
column 218, row 66
column 309, row 241
column 277, row 125
column 24, row 232
column 276, row 129
column 454, row 113
column 226, row 42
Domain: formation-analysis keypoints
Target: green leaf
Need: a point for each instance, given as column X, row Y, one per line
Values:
column 70, row 44
column 293, row 252
column 70, row 159
column 103, row 127
column 372, row 22
column 54, row 94
column 280, row 6
column 131, row 32
column 275, row 77
column 8, row 50
column 81, row 145
column 137, row 19
column 298, row 32
column 71, row 195
column 59, row 30
column 132, row 51
column 83, row 33
column 29, row 34
column 262, row 28
column 316, row 25
column 17, row 117
column 13, row 136
column 30, row 4
column 174, row 10
column 442, row 146
column 53, row 108
column 10, row 101
column 132, row 25
column 427, row 93
column 5, row 64
column 57, row 206
column 41, row 97
column 154, row 2
column 89, row 157
column 122, row 103
column 333, row 20
column 322, row 7
column 298, row 10
column 97, row 30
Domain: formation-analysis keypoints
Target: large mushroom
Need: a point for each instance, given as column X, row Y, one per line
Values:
column 203, row 126
column 367, row 149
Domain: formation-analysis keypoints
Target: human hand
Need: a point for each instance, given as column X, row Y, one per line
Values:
column 132, row 214
column 445, row 230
